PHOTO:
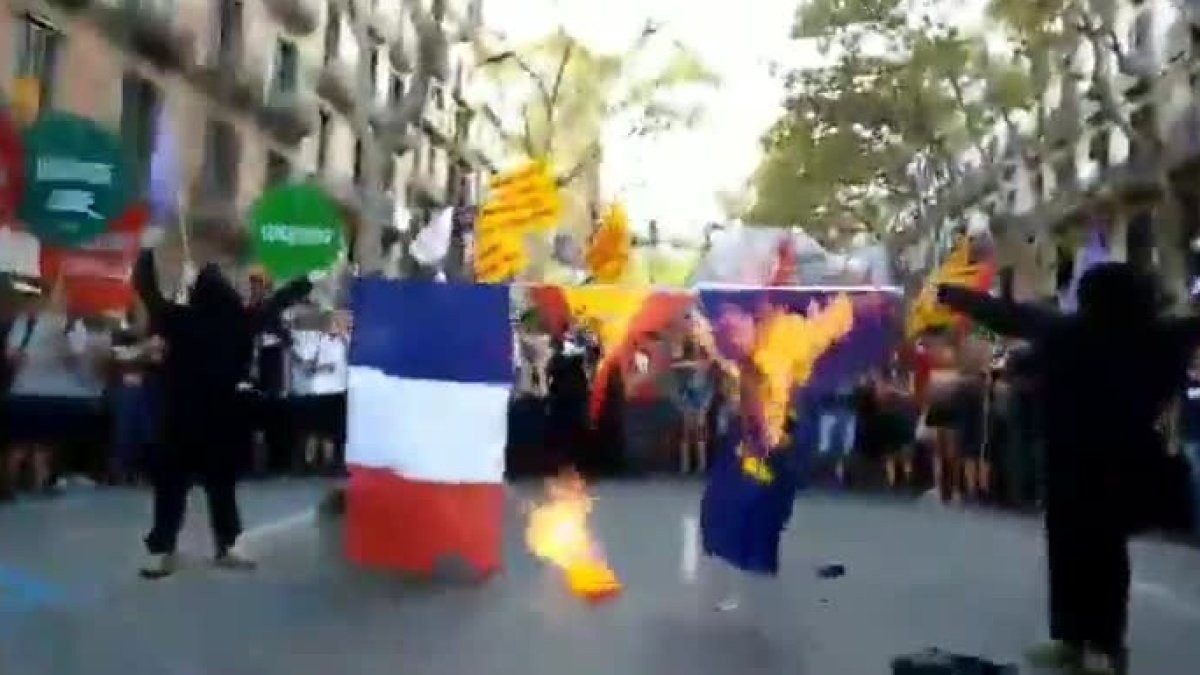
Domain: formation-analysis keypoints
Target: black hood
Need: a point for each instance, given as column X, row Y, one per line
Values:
column 213, row 294
column 1118, row 294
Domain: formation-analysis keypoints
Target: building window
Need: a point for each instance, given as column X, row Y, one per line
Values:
column 1144, row 120
column 279, row 168
column 139, row 103
column 38, row 45
column 1141, row 34
column 378, row 89
column 397, row 88
column 1064, row 173
column 358, row 161
column 323, row 140
column 287, row 67
column 333, row 32
column 228, row 39
column 437, row 94
column 388, row 174
column 220, row 158
column 1098, row 148
column 1139, row 241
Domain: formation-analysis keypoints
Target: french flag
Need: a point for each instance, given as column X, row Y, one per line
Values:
column 430, row 376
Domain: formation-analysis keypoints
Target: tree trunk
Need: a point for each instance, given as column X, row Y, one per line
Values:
column 368, row 249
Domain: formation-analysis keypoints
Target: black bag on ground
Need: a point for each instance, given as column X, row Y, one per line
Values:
column 938, row 662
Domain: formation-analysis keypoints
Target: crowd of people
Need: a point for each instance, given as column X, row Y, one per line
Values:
column 953, row 417
column 83, row 396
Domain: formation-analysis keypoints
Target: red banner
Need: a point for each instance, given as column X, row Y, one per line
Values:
column 12, row 167
column 95, row 277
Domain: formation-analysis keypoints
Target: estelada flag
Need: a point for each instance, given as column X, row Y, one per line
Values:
column 962, row 268
column 623, row 318
column 608, row 251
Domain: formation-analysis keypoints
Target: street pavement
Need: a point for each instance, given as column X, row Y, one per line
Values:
column 917, row 575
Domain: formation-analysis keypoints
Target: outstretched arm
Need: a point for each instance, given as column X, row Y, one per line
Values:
column 1005, row 317
column 145, row 282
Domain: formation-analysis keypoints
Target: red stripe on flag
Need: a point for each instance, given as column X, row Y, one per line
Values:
column 396, row 523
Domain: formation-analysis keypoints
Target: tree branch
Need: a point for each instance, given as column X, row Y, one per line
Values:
column 576, row 171
column 552, row 95
column 527, row 136
column 538, row 82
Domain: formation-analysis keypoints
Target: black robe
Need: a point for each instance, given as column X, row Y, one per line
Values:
column 209, row 347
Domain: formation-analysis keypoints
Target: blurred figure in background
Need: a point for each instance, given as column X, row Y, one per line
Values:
column 972, row 398
column 837, row 424
column 692, row 389
column 897, row 423
column 265, row 394
column 323, row 356
column 527, row 415
column 55, row 399
column 568, row 390
column 943, row 416
column 132, row 413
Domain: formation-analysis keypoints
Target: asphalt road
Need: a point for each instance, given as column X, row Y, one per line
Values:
column 918, row 575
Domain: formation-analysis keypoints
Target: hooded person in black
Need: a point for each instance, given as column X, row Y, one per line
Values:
column 209, row 344
column 1105, row 376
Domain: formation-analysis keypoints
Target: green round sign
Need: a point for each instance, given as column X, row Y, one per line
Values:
column 295, row 229
column 76, row 179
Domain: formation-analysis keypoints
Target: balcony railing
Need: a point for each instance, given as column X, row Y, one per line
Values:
column 299, row 17
column 150, row 29
column 336, row 84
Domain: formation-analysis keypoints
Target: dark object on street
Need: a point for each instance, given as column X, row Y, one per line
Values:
column 831, row 571
column 937, row 662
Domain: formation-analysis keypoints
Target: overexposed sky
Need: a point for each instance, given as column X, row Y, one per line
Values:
column 674, row 178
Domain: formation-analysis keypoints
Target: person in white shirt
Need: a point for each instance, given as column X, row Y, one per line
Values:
column 55, row 398
column 320, row 377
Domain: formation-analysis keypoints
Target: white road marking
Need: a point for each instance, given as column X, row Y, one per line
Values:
column 689, row 551
column 260, row 534
column 1163, row 596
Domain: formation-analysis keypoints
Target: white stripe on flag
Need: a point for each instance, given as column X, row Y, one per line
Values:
column 436, row 431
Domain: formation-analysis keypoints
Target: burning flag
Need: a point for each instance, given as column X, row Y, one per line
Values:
column 753, row 479
column 557, row 532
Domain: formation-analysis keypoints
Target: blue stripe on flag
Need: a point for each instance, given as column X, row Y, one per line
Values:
column 433, row 331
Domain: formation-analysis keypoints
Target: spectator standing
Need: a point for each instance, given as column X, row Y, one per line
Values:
column 322, row 357
column 55, row 399
column 265, row 393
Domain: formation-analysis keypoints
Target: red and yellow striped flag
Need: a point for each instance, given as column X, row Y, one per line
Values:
column 958, row 270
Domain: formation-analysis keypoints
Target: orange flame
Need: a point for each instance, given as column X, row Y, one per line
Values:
column 558, row 533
